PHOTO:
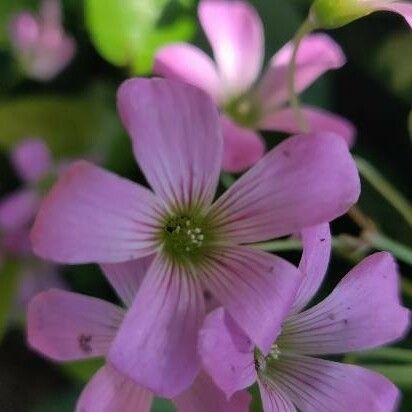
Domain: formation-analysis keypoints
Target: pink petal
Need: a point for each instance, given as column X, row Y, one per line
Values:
column 24, row 31
column 18, row 209
column 242, row 148
column 273, row 398
column 401, row 7
column 256, row 288
column 227, row 353
column 317, row 54
column 127, row 277
column 317, row 246
column 204, row 396
column 176, row 139
column 317, row 120
column 235, row 32
column 362, row 312
column 32, row 159
column 110, row 391
column 156, row 345
column 317, row 385
column 188, row 63
column 92, row 215
column 304, row 181
column 67, row 326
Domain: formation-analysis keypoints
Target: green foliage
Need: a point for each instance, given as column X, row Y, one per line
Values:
column 394, row 62
column 127, row 33
column 70, row 126
column 82, row 371
column 9, row 281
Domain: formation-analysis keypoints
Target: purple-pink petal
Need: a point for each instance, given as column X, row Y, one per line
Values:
column 226, row 353
column 304, row 181
column 317, row 246
column 205, row 396
column 242, row 147
column 176, row 137
column 92, row 215
column 126, row 277
column 67, row 326
column 156, row 344
column 273, row 398
column 32, row 160
column 317, row 121
column 317, row 385
column 256, row 288
column 317, row 54
column 189, row 64
column 235, row 32
column 110, row 391
column 363, row 311
column 17, row 210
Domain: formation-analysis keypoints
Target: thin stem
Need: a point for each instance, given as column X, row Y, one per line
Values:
column 294, row 101
column 382, row 242
column 385, row 188
column 279, row 245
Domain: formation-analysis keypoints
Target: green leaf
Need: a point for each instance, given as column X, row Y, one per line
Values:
column 70, row 126
column 162, row 405
column 127, row 33
column 394, row 62
column 410, row 124
column 389, row 354
column 9, row 281
column 400, row 375
column 82, row 371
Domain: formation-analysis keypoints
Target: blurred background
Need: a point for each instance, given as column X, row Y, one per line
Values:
column 67, row 98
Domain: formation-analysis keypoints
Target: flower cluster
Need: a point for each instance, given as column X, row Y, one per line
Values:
column 204, row 312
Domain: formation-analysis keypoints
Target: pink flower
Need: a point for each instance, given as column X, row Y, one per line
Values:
column 331, row 14
column 362, row 312
column 250, row 103
column 66, row 326
column 95, row 216
column 32, row 162
column 40, row 43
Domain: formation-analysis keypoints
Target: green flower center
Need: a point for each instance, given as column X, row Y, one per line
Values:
column 263, row 362
column 244, row 110
column 186, row 237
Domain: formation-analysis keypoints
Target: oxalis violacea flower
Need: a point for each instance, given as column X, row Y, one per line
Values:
column 362, row 312
column 32, row 163
column 94, row 216
column 249, row 103
column 40, row 43
column 65, row 326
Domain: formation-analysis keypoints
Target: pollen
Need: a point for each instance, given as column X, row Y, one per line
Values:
column 185, row 236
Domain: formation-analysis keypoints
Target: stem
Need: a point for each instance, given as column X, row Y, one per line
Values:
column 306, row 28
column 382, row 242
column 227, row 179
column 279, row 245
column 385, row 188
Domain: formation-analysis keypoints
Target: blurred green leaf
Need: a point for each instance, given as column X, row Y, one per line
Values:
column 410, row 124
column 162, row 405
column 9, row 281
column 70, row 126
column 394, row 62
column 83, row 371
column 138, row 30
column 391, row 354
column 400, row 375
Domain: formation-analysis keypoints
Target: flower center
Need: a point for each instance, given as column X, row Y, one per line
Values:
column 262, row 362
column 185, row 237
column 244, row 111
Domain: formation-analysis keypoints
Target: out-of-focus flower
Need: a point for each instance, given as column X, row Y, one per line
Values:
column 362, row 312
column 330, row 14
column 67, row 326
column 40, row 43
column 32, row 162
column 248, row 103
column 92, row 215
